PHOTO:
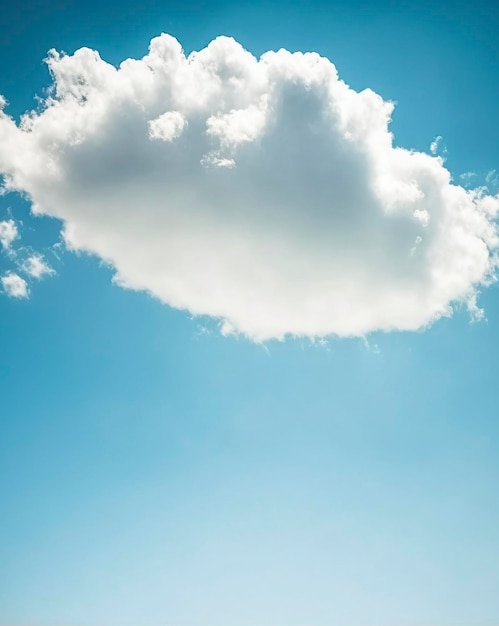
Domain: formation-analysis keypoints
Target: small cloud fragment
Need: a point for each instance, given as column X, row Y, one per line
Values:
column 8, row 233
column 36, row 267
column 492, row 179
column 14, row 286
column 437, row 147
column 467, row 178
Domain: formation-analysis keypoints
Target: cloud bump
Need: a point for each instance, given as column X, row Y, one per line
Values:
column 265, row 193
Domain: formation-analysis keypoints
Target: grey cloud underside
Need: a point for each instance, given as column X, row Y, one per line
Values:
column 265, row 193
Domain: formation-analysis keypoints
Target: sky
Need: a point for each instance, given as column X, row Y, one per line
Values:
column 249, row 314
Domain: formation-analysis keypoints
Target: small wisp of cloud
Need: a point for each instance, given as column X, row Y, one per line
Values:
column 8, row 234
column 24, row 260
column 437, row 146
column 36, row 267
column 492, row 180
column 14, row 286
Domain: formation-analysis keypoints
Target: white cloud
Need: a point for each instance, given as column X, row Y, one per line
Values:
column 8, row 233
column 167, row 127
column 36, row 267
column 265, row 193
column 437, row 146
column 14, row 286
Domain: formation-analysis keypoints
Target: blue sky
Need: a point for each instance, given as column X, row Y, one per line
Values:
column 154, row 471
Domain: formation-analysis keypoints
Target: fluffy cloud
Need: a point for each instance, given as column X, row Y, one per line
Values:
column 8, row 233
column 264, row 193
column 14, row 286
column 36, row 267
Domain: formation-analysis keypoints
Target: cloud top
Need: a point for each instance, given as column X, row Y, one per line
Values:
column 265, row 193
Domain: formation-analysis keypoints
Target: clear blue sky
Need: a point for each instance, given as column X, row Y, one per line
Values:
column 155, row 474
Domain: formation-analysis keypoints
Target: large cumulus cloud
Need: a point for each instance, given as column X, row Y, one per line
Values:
column 265, row 193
